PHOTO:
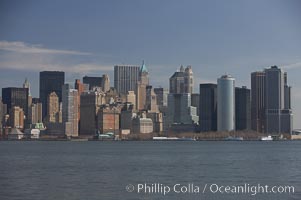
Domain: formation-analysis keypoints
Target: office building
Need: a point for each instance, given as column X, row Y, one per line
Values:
column 208, row 107
column 50, row 81
column 278, row 117
column 53, row 109
column 35, row 113
column 180, row 110
column 226, row 103
column 162, row 95
column 243, row 108
column 181, row 81
column 258, row 101
column 13, row 96
column 126, row 78
column 70, row 110
column 16, row 117
column 142, row 84
column 108, row 119
column 90, row 103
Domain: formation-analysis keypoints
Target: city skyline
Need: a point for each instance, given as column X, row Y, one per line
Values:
column 214, row 38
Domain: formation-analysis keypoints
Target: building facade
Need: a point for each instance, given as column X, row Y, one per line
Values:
column 50, row 81
column 243, row 108
column 226, row 103
column 208, row 107
column 70, row 110
column 126, row 78
column 181, row 81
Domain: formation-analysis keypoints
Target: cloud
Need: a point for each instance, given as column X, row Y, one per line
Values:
column 292, row 66
column 23, row 56
column 21, row 47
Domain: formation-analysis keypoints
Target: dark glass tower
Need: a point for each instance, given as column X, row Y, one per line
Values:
column 12, row 96
column 208, row 107
column 50, row 81
column 243, row 108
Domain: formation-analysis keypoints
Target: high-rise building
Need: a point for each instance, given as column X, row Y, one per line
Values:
column 142, row 84
column 105, row 85
column 126, row 78
column 50, row 81
column 108, row 119
column 90, row 103
column 92, row 81
column 208, row 107
column 131, row 98
column 162, row 95
column 12, row 96
column 226, row 103
column 16, row 117
column 53, row 108
column 151, row 100
column 180, row 110
column 278, row 119
column 195, row 101
column 35, row 113
column 26, row 84
column 242, row 108
column 258, row 101
column 181, row 81
column 70, row 110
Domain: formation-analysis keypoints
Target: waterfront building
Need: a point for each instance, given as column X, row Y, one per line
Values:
column 89, row 106
column 13, row 96
column 180, row 110
column 16, row 117
column 242, row 108
column 208, row 107
column 126, row 116
column 126, row 78
column 141, row 124
column 278, row 117
column 258, row 101
column 181, row 81
column 108, row 119
column 70, row 110
column 50, row 81
column 226, row 103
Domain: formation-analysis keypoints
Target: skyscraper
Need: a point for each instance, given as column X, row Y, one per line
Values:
column 50, row 81
column 53, row 108
column 226, row 103
column 181, row 81
column 142, row 84
column 208, row 107
column 92, row 81
column 105, row 85
column 126, row 78
column 242, row 108
column 278, row 119
column 12, row 96
column 180, row 110
column 70, row 110
column 258, row 101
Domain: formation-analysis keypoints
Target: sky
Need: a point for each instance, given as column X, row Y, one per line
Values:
column 90, row 37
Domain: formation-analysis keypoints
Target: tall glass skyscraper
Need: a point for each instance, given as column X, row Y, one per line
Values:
column 50, row 81
column 226, row 103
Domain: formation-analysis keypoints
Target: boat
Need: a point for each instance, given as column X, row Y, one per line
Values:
column 172, row 139
column 266, row 138
column 231, row 138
